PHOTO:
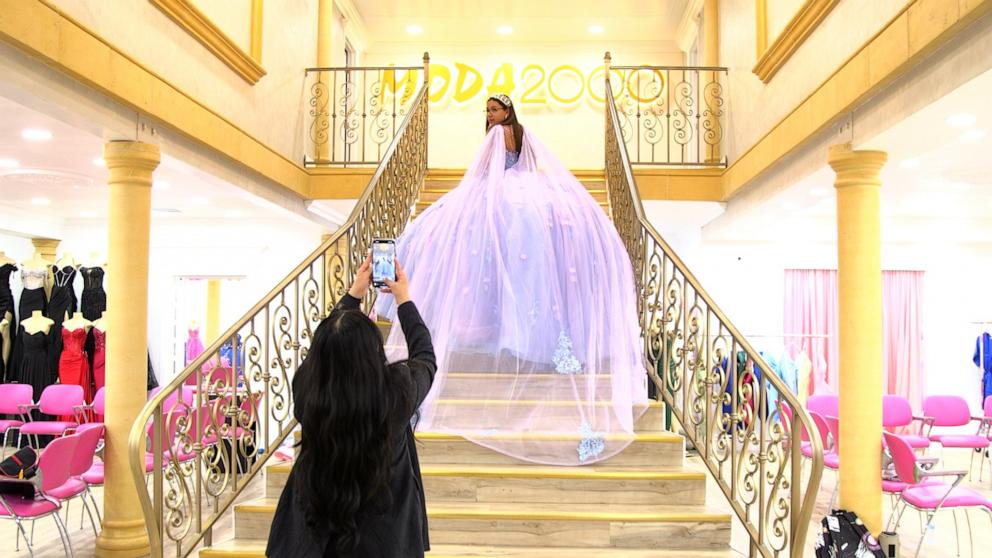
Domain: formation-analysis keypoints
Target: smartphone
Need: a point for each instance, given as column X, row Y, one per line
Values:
column 383, row 261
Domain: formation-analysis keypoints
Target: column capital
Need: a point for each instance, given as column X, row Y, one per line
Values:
column 131, row 155
column 856, row 167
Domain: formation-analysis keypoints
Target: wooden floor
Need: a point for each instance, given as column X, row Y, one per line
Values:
column 939, row 544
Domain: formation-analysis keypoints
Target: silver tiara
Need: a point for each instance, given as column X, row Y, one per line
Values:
column 503, row 99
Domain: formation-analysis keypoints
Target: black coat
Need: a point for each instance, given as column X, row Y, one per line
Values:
column 402, row 531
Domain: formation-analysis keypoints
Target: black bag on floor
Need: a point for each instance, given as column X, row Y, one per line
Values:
column 19, row 475
column 842, row 535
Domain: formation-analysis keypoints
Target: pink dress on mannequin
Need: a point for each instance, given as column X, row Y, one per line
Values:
column 99, row 358
column 194, row 346
column 74, row 367
column 528, row 292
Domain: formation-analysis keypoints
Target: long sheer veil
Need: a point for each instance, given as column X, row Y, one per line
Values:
column 529, row 295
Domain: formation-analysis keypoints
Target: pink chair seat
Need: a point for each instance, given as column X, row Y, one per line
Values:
column 72, row 487
column 831, row 461
column 895, row 487
column 23, row 507
column 88, row 426
column 916, row 441
column 53, row 428
column 6, row 425
column 961, row 440
column 929, row 496
column 95, row 474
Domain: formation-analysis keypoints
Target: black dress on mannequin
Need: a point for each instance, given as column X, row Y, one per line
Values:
column 33, row 298
column 34, row 367
column 63, row 301
column 8, row 311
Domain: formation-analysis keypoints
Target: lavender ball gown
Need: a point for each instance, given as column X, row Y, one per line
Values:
column 529, row 295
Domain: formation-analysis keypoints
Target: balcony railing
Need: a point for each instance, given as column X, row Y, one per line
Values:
column 670, row 115
column 354, row 112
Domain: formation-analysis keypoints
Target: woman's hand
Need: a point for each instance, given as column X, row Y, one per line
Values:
column 400, row 288
column 363, row 279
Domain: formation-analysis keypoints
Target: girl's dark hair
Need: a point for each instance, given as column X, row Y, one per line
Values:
column 511, row 120
column 349, row 406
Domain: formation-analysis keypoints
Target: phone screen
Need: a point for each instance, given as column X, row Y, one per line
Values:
column 383, row 261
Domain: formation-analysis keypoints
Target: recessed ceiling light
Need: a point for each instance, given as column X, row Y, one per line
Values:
column 414, row 29
column 199, row 200
column 88, row 214
column 36, row 134
column 99, row 162
column 161, row 185
column 504, row 30
column 961, row 120
column 910, row 163
column 9, row 164
column 820, row 192
column 40, row 201
column 975, row 134
column 596, row 29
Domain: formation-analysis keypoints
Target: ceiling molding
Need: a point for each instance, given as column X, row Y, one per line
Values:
column 688, row 29
column 206, row 32
column 355, row 29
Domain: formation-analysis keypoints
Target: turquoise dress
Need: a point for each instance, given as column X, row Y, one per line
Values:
column 511, row 159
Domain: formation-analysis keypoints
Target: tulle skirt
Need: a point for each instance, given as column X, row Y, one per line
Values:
column 529, row 296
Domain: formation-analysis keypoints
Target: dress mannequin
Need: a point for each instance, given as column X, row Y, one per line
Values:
column 35, row 273
column 7, row 333
column 62, row 300
column 34, row 366
column 73, row 365
column 99, row 334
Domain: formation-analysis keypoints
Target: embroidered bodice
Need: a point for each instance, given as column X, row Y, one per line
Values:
column 511, row 159
column 73, row 340
column 92, row 277
column 33, row 278
column 99, row 341
column 65, row 276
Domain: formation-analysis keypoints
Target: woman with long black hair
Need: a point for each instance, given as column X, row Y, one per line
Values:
column 355, row 489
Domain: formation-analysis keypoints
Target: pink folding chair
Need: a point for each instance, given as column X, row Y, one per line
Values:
column 75, row 487
column 953, row 411
column 13, row 398
column 826, row 404
column 57, row 399
column 53, row 466
column 897, row 413
column 98, row 408
column 832, row 460
column 931, row 497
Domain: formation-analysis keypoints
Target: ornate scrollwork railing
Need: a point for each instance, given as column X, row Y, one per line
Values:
column 354, row 112
column 740, row 420
column 670, row 115
column 211, row 430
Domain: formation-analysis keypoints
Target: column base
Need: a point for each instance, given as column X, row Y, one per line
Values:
column 713, row 160
column 123, row 539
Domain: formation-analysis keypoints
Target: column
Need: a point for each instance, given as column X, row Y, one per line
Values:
column 130, row 164
column 711, row 58
column 859, row 277
column 212, row 329
column 325, row 59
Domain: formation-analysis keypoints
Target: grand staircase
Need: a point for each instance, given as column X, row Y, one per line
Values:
column 483, row 503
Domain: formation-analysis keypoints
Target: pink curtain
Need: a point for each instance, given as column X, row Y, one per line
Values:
column 811, row 324
column 902, row 324
column 811, row 313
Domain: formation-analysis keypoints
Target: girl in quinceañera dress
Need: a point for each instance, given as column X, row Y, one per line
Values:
column 529, row 295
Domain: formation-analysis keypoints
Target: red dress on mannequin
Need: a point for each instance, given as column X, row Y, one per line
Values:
column 73, row 366
column 99, row 358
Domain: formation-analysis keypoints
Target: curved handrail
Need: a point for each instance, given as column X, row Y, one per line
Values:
column 694, row 351
column 217, row 415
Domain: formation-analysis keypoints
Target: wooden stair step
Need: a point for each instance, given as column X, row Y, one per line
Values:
column 256, row 549
column 586, row 525
column 655, row 449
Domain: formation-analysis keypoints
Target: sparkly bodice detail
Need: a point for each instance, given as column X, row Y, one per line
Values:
column 73, row 340
column 511, row 159
column 65, row 276
column 92, row 277
column 33, row 278
column 99, row 340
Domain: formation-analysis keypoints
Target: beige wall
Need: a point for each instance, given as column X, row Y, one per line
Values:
column 779, row 12
column 233, row 17
column 271, row 110
column 573, row 131
column 754, row 107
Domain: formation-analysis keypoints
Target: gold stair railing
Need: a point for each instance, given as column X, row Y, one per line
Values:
column 211, row 429
column 742, row 422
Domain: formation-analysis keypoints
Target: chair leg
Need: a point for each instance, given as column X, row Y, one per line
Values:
column 971, row 463
column 89, row 513
column 971, row 537
column 899, row 515
column 96, row 508
column 923, row 535
column 64, row 533
column 957, row 534
column 20, row 529
column 68, row 503
column 3, row 452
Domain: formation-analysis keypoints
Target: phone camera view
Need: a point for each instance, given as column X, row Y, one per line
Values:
column 383, row 262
